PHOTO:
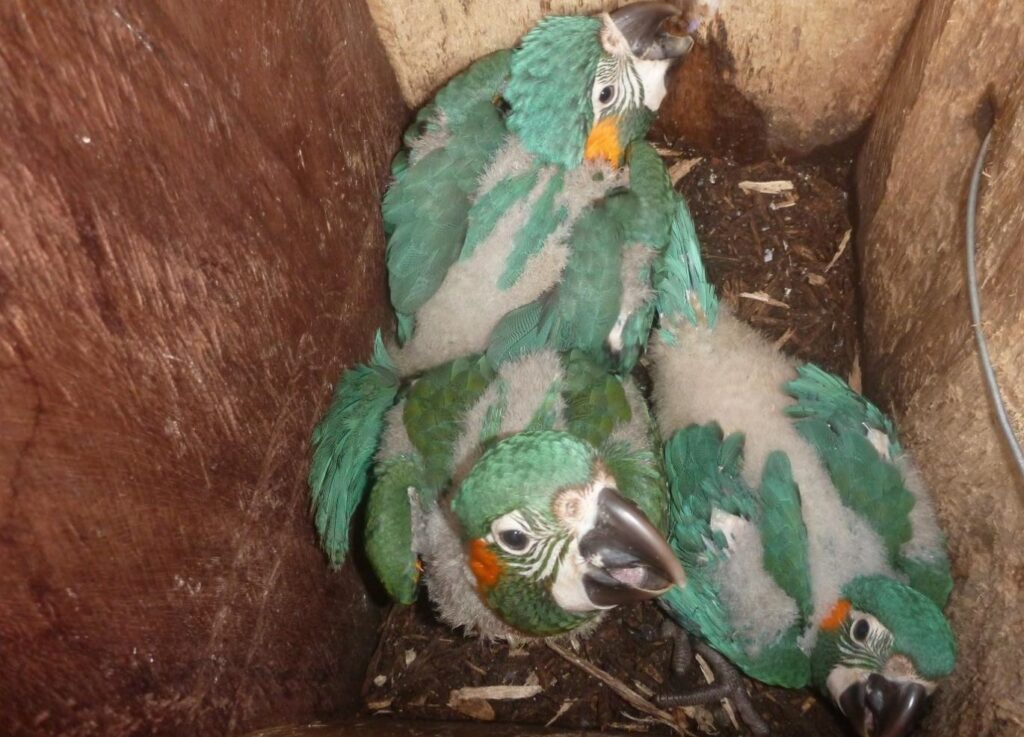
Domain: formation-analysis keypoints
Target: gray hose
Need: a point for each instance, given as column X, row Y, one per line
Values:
column 975, row 300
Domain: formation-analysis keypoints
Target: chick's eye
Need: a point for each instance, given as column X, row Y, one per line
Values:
column 860, row 630
column 515, row 541
column 606, row 95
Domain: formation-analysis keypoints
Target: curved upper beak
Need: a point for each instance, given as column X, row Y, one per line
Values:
column 629, row 559
column 641, row 25
column 878, row 707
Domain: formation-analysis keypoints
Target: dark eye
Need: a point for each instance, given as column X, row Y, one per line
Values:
column 606, row 95
column 513, row 540
column 860, row 630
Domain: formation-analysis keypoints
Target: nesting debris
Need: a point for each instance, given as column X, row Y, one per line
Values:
column 776, row 187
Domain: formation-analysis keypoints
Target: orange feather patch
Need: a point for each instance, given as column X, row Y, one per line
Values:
column 603, row 142
column 835, row 617
column 484, row 564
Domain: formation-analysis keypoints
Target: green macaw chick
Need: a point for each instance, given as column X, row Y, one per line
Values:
column 809, row 540
column 526, row 210
column 528, row 499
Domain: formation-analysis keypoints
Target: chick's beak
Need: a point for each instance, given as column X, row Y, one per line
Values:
column 603, row 142
column 642, row 26
column 629, row 559
column 878, row 707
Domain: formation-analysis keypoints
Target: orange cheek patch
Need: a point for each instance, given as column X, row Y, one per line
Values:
column 836, row 616
column 484, row 564
column 603, row 142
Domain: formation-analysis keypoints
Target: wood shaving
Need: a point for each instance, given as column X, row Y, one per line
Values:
column 784, row 338
column 762, row 297
column 790, row 201
column 496, row 693
column 566, row 705
column 476, row 708
column 379, row 705
column 855, row 380
column 839, row 251
column 816, row 280
column 681, row 168
column 775, row 187
column 624, row 692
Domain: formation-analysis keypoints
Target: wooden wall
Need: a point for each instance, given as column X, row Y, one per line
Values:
column 960, row 72
column 190, row 251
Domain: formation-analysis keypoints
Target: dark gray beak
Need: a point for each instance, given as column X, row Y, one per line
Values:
column 641, row 23
column 878, row 707
column 631, row 559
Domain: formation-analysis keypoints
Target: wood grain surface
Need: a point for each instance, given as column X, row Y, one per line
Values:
column 190, row 252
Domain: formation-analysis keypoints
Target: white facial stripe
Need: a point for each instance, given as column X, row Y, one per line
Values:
column 652, row 73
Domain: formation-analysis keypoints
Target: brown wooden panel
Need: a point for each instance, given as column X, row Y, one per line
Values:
column 190, row 251
column 960, row 72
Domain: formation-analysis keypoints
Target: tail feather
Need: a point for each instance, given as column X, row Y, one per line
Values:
column 682, row 283
column 343, row 446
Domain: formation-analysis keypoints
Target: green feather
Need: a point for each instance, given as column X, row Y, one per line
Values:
column 389, row 544
column 595, row 401
column 783, row 533
column 434, row 409
column 529, row 240
column 426, row 210
column 834, row 419
column 704, row 473
column 492, row 205
column 343, row 446
column 681, row 283
column 549, row 88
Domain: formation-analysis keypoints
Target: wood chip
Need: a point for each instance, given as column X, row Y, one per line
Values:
column 762, row 297
column 681, row 168
column 410, row 657
column 496, row 693
column 806, row 706
column 379, row 705
column 784, row 338
column 665, row 150
column 624, row 692
column 566, row 705
column 380, row 680
column 855, row 380
column 839, row 251
column 816, row 280
column 790, row 201
column 475, row 708
column 774, row 187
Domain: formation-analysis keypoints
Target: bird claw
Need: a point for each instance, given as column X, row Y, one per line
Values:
column 728, row 683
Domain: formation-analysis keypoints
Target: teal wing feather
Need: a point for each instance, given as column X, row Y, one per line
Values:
column 426, row 211
column 783, row 532
column 435, row 406
column 427, row 207
column 343, row 446
column 681, row 282
column 836, row 420
column 595, row 400
column 581, row 310
column 389, row 543
column 703, row 470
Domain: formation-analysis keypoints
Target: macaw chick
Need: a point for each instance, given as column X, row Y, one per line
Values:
column 529, row 499
column 809, row 540
column 526, row 211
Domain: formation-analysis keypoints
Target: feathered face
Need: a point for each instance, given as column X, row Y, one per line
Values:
column 880, row 655
column 629, row 85
column 550, row 540
column 586, row 87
